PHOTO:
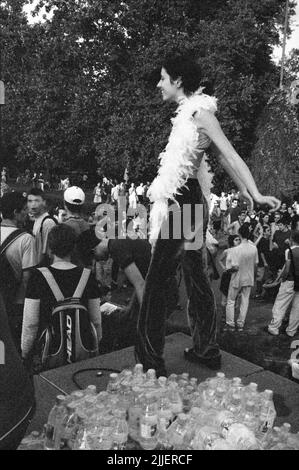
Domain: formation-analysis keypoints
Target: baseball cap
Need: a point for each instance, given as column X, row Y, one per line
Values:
column 74, row 195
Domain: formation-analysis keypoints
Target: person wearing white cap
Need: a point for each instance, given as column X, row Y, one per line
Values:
column 74, row 199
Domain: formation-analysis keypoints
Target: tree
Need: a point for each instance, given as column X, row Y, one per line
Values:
column 87, row 97
column 276, row 152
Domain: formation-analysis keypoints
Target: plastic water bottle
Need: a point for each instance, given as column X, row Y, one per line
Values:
column 165, row 417
column 175, row 399
column 69, row 426
column 177, row 432
column 113, row 384
column 248, row 416
column 134, row 413
column 267, row 412
column 148, row 423
column 192, row 426
column 138, row 375
column 99, row 434
column 120, row 431
column 235, row 404
column 91, row 390
column 54, row 419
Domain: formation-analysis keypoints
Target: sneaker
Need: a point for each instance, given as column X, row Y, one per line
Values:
column 229, row 328
column 271, row 332
column 213, row 362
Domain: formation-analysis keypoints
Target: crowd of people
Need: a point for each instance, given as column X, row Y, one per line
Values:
column 260, row 244
column 47, row 257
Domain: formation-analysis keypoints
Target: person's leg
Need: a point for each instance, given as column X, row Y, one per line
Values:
column 282, row 301
column 152, row 315
column 201, row 305
column 294, row 316
column 230, row 305
column 245, row 295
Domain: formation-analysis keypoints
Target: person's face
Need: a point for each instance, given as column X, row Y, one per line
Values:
column 237, row 241
column 36, row 205
column 266, row 219
column 242, row 216
column 267, row 232
column 283, row 206
column 234, row 204
column 276, row 218
column 62, row 215
column 168, row 87
column 281, row 227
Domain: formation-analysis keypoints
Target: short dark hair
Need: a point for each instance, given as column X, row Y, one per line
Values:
column 62, row 239
column 11, row 202
column 186, row 68
column 231, row 239
column 244, row 231
column 37, row 192
column 76, row 208
column 295, row 236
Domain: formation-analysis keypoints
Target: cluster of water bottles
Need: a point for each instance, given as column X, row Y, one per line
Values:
column 140, row 411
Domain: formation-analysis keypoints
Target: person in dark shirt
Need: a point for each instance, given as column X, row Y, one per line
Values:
column 264, row 264
column 40, row 300
column 133, row 256
column 16, row 390
column 281, row 241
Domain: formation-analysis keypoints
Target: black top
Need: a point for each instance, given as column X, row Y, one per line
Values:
column 16, row 389
column 67, row 280
column 263, row 247
column 128, row 251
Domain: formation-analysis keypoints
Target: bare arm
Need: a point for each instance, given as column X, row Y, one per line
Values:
column 230, row 160
column 221, row 258
column 135, row 277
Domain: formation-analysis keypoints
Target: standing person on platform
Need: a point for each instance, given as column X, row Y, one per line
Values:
column 184, row 177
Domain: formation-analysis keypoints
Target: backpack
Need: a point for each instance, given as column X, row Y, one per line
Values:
column 70, row 336
column 295, row 273
column 9, row 284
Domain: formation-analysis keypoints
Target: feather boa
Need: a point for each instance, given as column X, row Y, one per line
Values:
column 178, row 159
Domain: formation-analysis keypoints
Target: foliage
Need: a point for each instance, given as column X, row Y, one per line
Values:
column 82, row 90
column 276, row 152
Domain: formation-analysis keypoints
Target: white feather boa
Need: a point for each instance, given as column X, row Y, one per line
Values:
column 178, row 159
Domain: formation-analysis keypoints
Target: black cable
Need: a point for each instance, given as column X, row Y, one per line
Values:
column 88, row 370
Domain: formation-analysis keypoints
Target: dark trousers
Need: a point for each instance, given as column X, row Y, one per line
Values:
column 167, row 256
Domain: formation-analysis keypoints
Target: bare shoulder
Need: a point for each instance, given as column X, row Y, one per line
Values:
column 204, row 118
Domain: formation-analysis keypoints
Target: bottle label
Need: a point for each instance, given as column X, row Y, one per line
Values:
column 148, row 430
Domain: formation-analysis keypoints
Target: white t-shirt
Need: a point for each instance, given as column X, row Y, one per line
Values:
column 21, row 255
column 41, row 239
column 245, row 256
column 140, row 190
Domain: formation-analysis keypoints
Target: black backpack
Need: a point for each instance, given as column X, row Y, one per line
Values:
column 70, row 336
column 8, row 281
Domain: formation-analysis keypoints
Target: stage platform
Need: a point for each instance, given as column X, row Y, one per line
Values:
column 50, row 383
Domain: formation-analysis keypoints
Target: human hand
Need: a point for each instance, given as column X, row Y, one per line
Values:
column 275, row 245
column 271, row 201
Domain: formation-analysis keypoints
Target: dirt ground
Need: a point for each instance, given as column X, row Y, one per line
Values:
column 253, row 344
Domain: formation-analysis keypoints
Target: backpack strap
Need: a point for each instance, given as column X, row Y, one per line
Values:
column 48, row 217
column 52, row 284
column 82, row 283
column 10, row 239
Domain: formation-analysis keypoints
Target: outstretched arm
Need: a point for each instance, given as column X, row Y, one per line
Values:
column 230, row 160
